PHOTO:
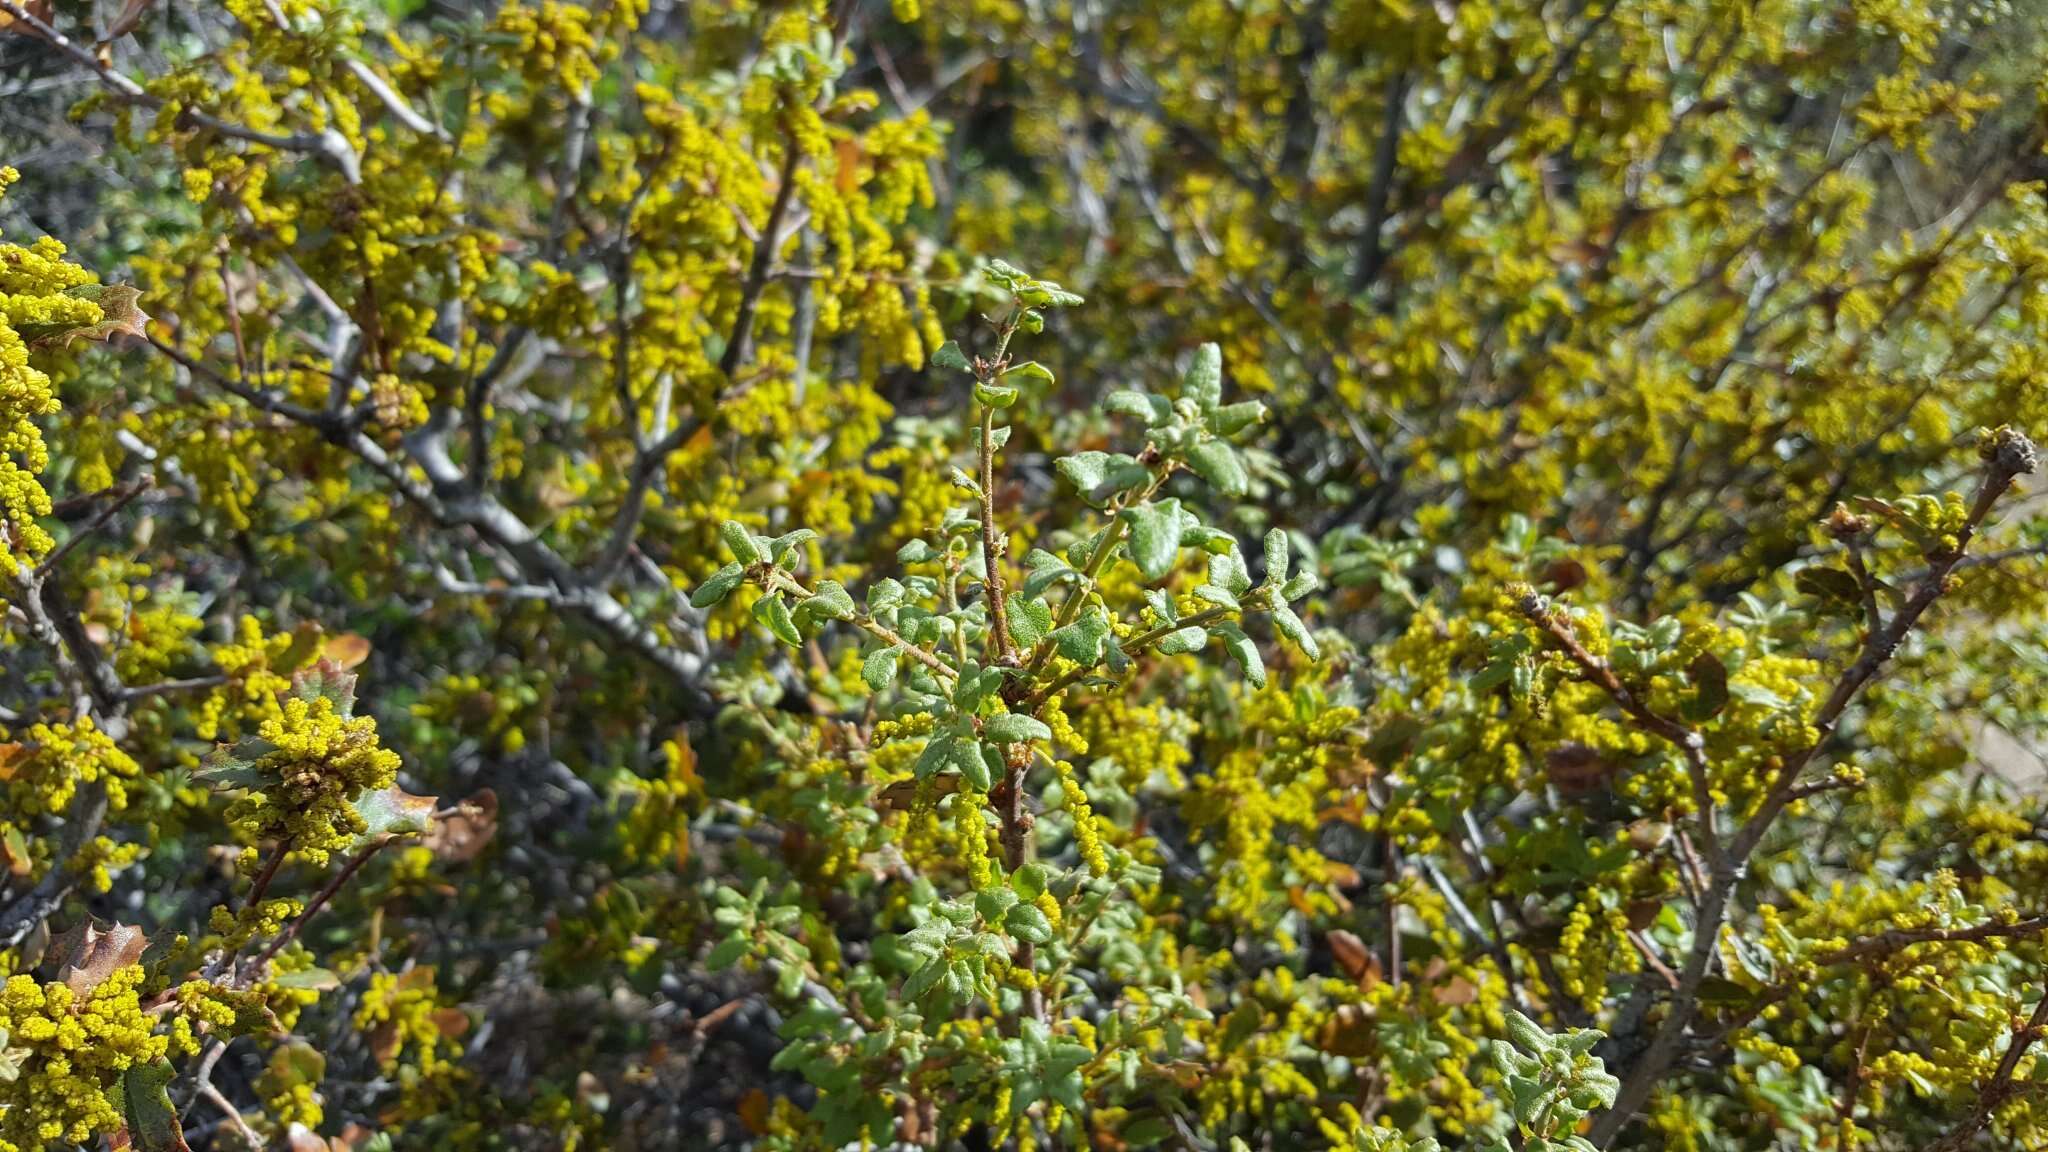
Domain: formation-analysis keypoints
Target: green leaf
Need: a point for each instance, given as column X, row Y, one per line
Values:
column 1029, row 880
column 925, row 979
column 1526, row 1034
column 234, row 765
column 1218, row 465
column 739, row 542
column 785, row 546
column 938, row 752
column 1755, row 694
column 774, row 615
column 991, row 903
column 719, row 585
column 308, row 980
column 1230, row 419
column 968, row 760
column 789, row 981
column 1204, row 380
column 1185, row 640
column 1289, row 625
column 1015, row 728
column 1710, row 687
column 1004, row 273
column 1277, row 556
column 879, row 668
column 1137, row 405
column 950, row 356
column 1160, row 603
column 1154, row 528
column 1092, row 472
column 1046, row 571
column 832, row 601
column 1723, row 992
column 1028, row 923
column 975, row 686
column 1082, row 641
column 1492, row 676
column 1245, row 652
column 149, row 1122
column 1029, row 372
column 1830, row 585
column 1226, row 571
column 995, row 395
column 885, row 594
column 1029, row 620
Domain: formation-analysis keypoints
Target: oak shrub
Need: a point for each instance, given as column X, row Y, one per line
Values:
column 1234, row 573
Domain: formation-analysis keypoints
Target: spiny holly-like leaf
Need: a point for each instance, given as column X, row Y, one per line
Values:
column 120, row 315
column 1154, row 528
column 234, row 765
column 393, row 812
column 326, row 679
column 93, row 952
column 462, row 835
column 148, row 1122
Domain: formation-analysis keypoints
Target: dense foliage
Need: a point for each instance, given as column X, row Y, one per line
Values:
column 1206, row 574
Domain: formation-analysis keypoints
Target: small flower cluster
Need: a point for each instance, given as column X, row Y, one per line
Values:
column 65, row 1054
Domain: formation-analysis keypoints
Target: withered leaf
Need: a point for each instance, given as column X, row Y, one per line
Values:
column 92, row 953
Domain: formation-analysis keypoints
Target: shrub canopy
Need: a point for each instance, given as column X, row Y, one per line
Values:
column 1206, row 574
